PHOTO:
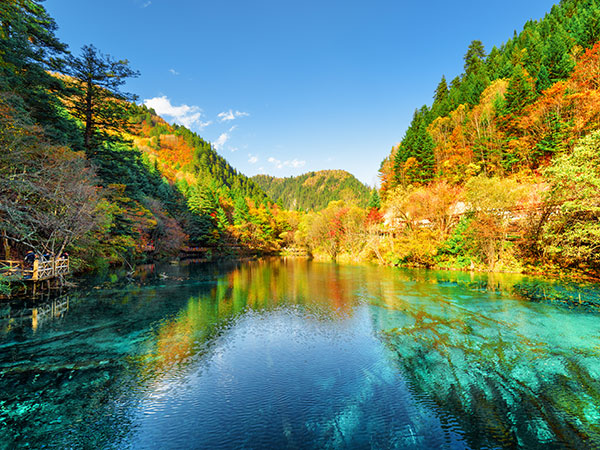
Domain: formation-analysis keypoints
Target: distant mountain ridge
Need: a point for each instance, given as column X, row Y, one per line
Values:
column 314, row 190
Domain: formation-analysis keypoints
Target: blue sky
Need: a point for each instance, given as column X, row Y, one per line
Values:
column 285, row 87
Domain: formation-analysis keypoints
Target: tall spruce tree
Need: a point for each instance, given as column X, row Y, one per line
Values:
column 476, row 78
column 98, row 100
column 374, row 201
column 415, row 160
column 543, row 81
column 557, row 59
column 441, row 104
column 474, row 56
column 441, row 91
column 520, row 91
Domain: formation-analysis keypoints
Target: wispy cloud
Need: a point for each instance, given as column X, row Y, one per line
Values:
column 231, row 115
column 173, row 71
column 294, row 163
column 252, row 159
column 221, row 140
column 146, row 4
column 185, row 115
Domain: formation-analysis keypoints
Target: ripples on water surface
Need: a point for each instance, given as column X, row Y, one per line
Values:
column 293, row 354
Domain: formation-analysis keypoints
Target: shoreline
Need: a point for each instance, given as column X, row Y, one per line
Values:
column 73, row 281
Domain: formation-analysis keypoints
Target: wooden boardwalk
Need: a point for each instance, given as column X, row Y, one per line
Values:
column 40, row 270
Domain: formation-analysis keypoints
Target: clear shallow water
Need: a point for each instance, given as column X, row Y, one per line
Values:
column 277, row 354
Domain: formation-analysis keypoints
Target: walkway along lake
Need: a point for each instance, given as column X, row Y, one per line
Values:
column 298, row 354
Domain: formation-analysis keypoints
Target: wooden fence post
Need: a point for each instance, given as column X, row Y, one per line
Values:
column 36, row 265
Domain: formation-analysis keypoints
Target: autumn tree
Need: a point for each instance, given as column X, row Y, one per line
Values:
column 47, row 193
column 337, row 229
column 491, row 201
column 572, row 234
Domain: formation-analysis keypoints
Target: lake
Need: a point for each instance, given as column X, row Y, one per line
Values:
column 299, row 354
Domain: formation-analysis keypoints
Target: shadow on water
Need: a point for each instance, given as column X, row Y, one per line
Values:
column 291, row 353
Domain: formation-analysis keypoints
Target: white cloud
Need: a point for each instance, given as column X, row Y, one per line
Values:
column 231, row 115
column 145, row 5
column 225, row 116
column 173, row 71
column 252, row 159
column 261, row 170
column 221, row 140
column 294, row 163
column 185, row 115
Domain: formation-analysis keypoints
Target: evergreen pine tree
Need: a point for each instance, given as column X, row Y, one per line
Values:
column 98, row 100
column 587, row 27
column 520, row 91
column 241, row 212
column 441, row 92
column 493, row 63
column 29, row 52
column 543, row 82
column 474, row 56
column 375, row 201
column 556, row 55
column 415, row 160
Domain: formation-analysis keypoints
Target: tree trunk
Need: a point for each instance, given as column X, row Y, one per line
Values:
column 88, row 116
column 6, row 246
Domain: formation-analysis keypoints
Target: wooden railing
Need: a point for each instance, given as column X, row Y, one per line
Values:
column 38, row 271
column 11, row 267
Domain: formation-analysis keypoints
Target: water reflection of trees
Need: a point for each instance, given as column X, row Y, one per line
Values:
column 491, row 362
column 323, row 291
column 488, row 362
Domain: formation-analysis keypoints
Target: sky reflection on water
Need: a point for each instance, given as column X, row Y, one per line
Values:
column 305, row 355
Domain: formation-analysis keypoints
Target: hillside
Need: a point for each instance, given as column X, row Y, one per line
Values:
column 184, row 157
column 314, row 190
column 516, row 131
column 512, row 109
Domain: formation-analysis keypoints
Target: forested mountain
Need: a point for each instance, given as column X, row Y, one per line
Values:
column 501, row 137
column 511, row 109
column 314, row 190
column 186, row 158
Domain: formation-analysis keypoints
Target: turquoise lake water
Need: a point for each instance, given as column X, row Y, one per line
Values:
column 298, row 354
